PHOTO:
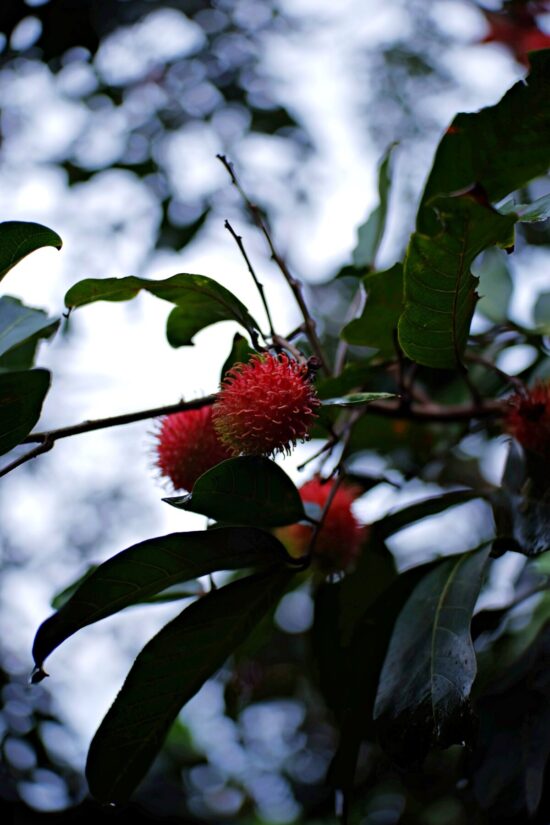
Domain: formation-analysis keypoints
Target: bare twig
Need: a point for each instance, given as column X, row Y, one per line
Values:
column 259, row 286
column 46, row 445
column 512, row 380
column 293, row 283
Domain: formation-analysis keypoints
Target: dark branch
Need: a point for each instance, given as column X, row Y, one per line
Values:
column 259, row 286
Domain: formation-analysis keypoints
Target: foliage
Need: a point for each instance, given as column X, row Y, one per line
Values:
column 394, row 658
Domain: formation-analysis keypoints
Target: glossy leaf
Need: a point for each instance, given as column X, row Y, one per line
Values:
column 369, row 235
column 245, row 490
column 241, row 352
column 19, row 238
column 21, row 397
column 200, row 301
column 430, row 666
column 378, row 322
column 440, row 290
column 150, row 567
column 500, row 148
column 357, row 399
column 167, row 673
column 19, row 323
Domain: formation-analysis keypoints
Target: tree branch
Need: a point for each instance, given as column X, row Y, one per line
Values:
column 259, row 286
column 293, row 283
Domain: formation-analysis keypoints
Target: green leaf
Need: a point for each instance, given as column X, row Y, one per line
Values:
column 399, row 519
column 440, row 290
column 357, row 399
column 241, row 352
column 534, row 212
column 495, row 286
column 430, row 666
column 171, row 668
column 18, row 239
column 369, row 235
column 245, row 490
column 500, row 148
column 21, row 397
column 542, row 310
column 150, row 567
column 199, row 301
column 378, row 321
column 19, row 323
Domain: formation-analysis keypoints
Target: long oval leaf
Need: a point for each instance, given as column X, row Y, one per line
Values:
column 167, row 673
column 19, row 238
column 18, row 323
column 150, row 567
column 244, row 490
column 21, row 396
column 430, row 666
column 200, row 301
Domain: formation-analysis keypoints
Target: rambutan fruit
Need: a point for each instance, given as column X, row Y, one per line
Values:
column 187, row 446
column 265, row 406
column 339, row 540
column 528, row 419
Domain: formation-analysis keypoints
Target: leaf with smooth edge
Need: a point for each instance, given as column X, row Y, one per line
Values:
column 378, row 321
column 244, row 490
column 440, row 290
column 495, row 285
column 150, row 567
column 430, row 665
column 542, row 310
column 171, row 668
column 534, row 212
column 241, row 352
column 356, row 399
column 399, row 519
column 21, row 397
column 18, row 323
column 369, row 234
column 500, row 148
column 19, row 238
column 199, row 301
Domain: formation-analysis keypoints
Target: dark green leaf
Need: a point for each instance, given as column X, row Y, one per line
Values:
column 18, row 323
column 357, row 399
column 18, row 239
column 245, row 490
column 200, row 301
column 440, row 290
column 534, row 212
column 495, row 286
column 241, row 352
column 369, row 235
column 21, row 397
column 167, row 673
column 500, row 148
column 150, row 567
column 430, row 666
column 378, row 322
column 399, row 519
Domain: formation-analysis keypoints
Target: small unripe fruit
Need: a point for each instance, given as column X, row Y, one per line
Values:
column 339, row 540
column 528, row 419
column 187, row 446
column 265, row 406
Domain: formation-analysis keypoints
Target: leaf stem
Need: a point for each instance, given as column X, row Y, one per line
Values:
column 293, row 283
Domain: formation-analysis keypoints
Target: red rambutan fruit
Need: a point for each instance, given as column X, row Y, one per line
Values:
column 528, row 419
column 339, row 540
column 187, row 446
column 265, row 406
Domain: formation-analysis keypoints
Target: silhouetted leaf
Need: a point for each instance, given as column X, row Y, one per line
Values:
column 18, row 323
column 440, row 290
column 430, row 666
column 200, row 301
column 18, row 239
column 400, row 518
column 241, row 352
column 369, row 234
column 500, row 148
column 244, row 490
column 167, row 673
column 21, row 397
column 357, row 399
column 378, row 321
column 150, row 567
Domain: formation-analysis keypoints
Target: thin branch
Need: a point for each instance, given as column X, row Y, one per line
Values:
column 46, row 445
column 512, row 380
column 293, row 283
column 259, row 286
